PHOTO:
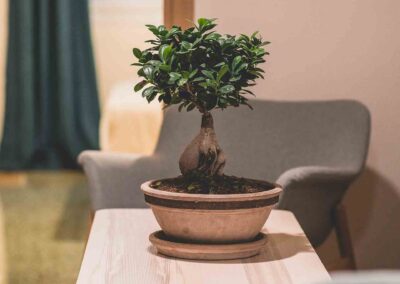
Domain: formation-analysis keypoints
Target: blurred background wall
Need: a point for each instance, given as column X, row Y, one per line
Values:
column 338, row 50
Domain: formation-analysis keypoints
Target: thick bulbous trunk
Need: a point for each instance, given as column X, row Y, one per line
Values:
column 203, row 155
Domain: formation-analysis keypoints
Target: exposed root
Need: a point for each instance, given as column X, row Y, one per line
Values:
column 203, row 154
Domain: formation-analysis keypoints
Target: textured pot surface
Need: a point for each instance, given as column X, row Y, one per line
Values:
column 211, row 218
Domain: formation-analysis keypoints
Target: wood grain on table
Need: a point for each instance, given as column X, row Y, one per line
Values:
column 118, row 251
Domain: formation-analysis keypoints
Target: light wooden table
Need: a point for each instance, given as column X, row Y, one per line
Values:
column 118, row 251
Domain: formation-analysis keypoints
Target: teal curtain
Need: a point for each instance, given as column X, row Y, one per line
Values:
column 52, row 108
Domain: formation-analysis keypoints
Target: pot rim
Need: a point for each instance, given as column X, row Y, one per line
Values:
column 147, row 190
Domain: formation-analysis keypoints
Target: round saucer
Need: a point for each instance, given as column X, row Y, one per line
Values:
column 197, row 251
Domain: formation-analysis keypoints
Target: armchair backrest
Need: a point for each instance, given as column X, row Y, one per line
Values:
column 277, row 136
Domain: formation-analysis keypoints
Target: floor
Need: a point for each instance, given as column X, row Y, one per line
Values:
column 45, row 226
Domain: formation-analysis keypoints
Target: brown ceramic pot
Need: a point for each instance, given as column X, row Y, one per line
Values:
column 211, row 218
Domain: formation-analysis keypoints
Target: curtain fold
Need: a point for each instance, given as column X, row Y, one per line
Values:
column 52, row 108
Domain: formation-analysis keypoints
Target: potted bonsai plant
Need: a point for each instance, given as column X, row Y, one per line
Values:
column 200, row 69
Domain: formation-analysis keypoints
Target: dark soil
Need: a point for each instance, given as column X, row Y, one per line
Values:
column 212, row 185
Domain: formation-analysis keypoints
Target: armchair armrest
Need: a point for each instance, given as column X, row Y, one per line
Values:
column 115, row 178
column 312, row 193
column 92, row 156
column 315, row 174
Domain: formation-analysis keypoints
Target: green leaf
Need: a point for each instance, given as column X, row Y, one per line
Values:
column 183, row 52
column 165, row 52
column 146, row 56
column 167, row 98
column 153, row 29
column 162, row 30
column 181, row 106
column 190, row 107
column 250, row 107
column 193, row 73
column 140, row 72
column 196, row 42
column 208, row 27
column 205, row 24
column 148, row 71
column 165, row 67
column 227, row 89
column 257, row 61
column 234, row 79
column 211, row 83
column 185, row 74
column 154, row 62
column 172, row 60
column 212, row 103
column 182, row 81
column 254, row 34
column 241, row 67
column 233, row 101
column 222, row 72
column 222, row 102
column 173, row 77
column 202, row 22
column 191, row 187
column 248, row 91
column 186, row 45
column 149, row 93
column 203, row 84
column 137, row 53
column 235, row 62
column 221, row 41
column 198, row 79
column 220, row 64
column 212, row 36
column 244, row 37
column 208, row 74
column 140, row 85
column 173, row 31
column 151, row 97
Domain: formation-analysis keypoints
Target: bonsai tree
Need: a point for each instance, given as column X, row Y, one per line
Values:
column 200, row 69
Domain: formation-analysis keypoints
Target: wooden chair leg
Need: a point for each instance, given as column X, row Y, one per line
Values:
column 90, row 223
column 344, row 238
column 91, row 217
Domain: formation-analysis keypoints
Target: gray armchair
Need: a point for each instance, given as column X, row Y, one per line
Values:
column 313, row 149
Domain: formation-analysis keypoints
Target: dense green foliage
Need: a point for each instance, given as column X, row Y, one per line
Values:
column 198, row 67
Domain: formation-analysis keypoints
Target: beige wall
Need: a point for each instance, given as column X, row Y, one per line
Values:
column 331, row 50
column 3, row 45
